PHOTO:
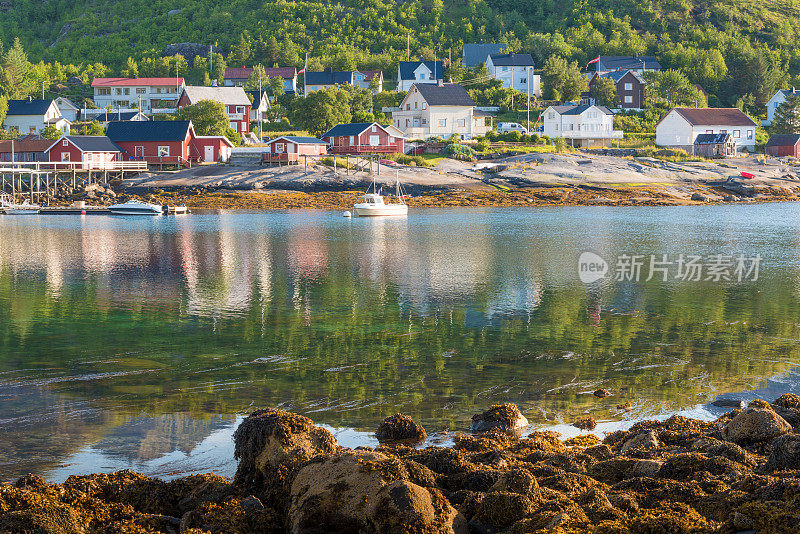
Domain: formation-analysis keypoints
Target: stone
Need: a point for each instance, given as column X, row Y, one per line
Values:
column 501, row 509
column 699, row 197
column 504, row 417
column 728, row 403
column 755, row 425
column 585, row 423
column 646, row 468
column 602, row 393
column 644, row 440
column 400, row 427
column 785, row 453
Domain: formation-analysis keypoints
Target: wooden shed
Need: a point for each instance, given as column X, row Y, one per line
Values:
column 714, row 145
column 780, row 145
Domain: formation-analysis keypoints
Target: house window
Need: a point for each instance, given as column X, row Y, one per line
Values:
column 628, row 86
column 424, row 121
column 280, row 147
column 163, row 152
column 391, row 139
column 141, row 90
column 749, row 134
column 424, row 105
column 442, row 122
column 239, row 109
column 118, row 91
column 352, row 140
column 737, row 134
column 723, row 131
column 415, row 105
column 406, row 122
column 374, row 129
column 127, row 91
column 523, row 81
column 64, row 143
column 65, row 157
column 107, row 91
column 408, row 107
column 628, row 99
column 462, row 123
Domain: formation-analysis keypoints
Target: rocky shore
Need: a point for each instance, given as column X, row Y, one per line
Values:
column 740, row 473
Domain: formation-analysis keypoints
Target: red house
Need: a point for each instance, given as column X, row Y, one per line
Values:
column 290, row 148
column 91, row 150
column 780, row 145
column 167, row 142
column 237, row 105
column 364, row 138
column 630, row 87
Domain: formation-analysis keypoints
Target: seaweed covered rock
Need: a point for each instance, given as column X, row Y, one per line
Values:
column 785, row 453
column 400, row 427
column 270, row 443
column 504, row 417
column 602, row 393
column 585, row 423
column 366, row 491
column 45, row 519
column 645, row 440
column 755, row 424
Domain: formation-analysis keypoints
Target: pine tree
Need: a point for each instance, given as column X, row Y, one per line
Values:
column 131, row 69
column 787, row 117
column 16, row 81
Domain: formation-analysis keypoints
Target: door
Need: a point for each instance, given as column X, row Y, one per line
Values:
column 209, row 153
column 374, row 140
column 138, row 151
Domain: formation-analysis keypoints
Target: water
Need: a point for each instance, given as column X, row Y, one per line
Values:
column 139, row 342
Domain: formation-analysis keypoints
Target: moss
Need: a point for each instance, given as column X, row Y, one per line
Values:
column 673, row 518
column 585, row 440
column 492, row 440
column 501, row 508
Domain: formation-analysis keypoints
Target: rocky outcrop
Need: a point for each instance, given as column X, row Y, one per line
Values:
column 757, row 423
column 504, row 417
column 400, row 427
column 785, row 453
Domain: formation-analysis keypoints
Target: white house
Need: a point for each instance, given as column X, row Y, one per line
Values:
column 581, row 125
column 32, row 116
column 776, row 100
column 419, row 72
column 156, row 95
column 260, row 106
column 515, row 71
column 67, row 108
column 679, row 127
column 439, row 110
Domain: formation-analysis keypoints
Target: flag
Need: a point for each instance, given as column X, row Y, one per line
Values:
column 305, row 66
column 595, row 60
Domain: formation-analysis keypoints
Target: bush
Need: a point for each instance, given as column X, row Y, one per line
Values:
column 459, row 152
column 413, row 161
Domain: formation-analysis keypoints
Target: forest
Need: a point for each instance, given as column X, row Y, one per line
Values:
column 739, row 52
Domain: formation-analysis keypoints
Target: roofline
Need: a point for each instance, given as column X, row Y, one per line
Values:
column 214, row 137
column 321, row 142
column 67, row 137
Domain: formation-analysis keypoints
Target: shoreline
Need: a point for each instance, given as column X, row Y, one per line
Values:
column 736, row 473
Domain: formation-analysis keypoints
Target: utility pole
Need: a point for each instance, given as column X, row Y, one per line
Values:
column 408, row 46
column 528, row 84
column 42, row 89
column 260, row 133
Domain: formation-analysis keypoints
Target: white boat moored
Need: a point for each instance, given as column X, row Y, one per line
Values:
column 26, row 208
column 135, row 207
column 372, row 204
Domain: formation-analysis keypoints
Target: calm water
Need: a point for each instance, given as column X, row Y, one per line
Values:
column 137, row 342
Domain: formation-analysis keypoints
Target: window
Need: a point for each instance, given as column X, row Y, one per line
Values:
column 723, row 131
column 239, row 109
column 391, row 139
column 628, row 86
column 118, row 91
column 737, row 134
column 424, row 121
column 628, row 99
column 65, row 156
column 127, row 91
column 352, row 140
column 280, row 147
column 408, row 107
column 749, row 134
column 523, row 81
column 415, row 105
column 141, row 90
column 374, row 129
column 443, row 122
column 424, row 105
column 64, row 143
column 462, row 123
column 103, row 91
column 163, row 151
column 406, row 122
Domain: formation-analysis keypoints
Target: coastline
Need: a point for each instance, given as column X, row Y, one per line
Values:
column 735, row 473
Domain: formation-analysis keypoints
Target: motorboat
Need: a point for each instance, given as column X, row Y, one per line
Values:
column 26, row 208
column 372, row 204
column 136, row 207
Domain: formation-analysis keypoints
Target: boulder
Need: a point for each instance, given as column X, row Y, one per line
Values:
column 366, row 491
column 785, row 453
column 755, row 424
column 728, row 403
column 699, row 197
column 644, row 440
column 585, row 423
column 270, row 444
column 501, row 509
column 504, row 417
column 602, row 393
column 400, row 427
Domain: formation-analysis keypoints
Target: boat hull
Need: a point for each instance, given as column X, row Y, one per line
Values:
column 15, row 211
column 133, row 211
column 386, row 210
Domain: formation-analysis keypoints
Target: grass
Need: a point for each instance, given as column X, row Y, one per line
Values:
column 273, row 135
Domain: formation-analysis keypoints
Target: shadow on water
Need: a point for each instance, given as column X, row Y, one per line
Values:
column 138, row 343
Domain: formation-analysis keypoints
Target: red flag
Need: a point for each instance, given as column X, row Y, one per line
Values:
column 305, row 66
column 595, row 60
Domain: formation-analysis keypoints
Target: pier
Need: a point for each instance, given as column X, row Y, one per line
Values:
column 38, row 181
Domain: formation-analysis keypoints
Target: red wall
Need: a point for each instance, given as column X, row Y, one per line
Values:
column 75, row 155
column 783, row 150
column 299, row 150
column 342, row 143
column 176, row 148
column 200, row 144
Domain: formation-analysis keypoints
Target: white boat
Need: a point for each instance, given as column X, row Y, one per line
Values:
column 372, row 204
column 26, row 208
column 135, row 207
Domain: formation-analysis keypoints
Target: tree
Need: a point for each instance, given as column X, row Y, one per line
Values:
column 16, row 81
column 563, row 80
column 787, row 117
column 51, row 132
column 241, row 51
column 208, row 117
column 257, row 78
column 131, row 69
column 218, row 70
column 90, row 128
column 604, row 92
column 673, row 87
column 277, row 86
column 3, row 108
column 322, row 110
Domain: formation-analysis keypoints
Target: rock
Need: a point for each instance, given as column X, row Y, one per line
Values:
column 627, row 406
column 400, row 427
column 518, row 480
column 741, row 521
column 270, row 443
column 45, row 519
column 785, row 453
column 602, row 393
column 504, row 417
column 501, row 509
column 699, row 197
column 366, row 491
column 74, row 81
column 173, row 12
column 646, row 468
column 728, row 403
column 788, row 400
column 585, row 423
column 645, row 440
column 755, row 425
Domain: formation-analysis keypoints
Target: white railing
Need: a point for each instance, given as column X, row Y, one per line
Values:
column 165, row 111
column 602, row 134
column 47, row 166
column 236, row 116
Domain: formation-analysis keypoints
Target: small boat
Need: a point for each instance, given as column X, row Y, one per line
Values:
column 372, row 204
column 26, row 208
column 135, row 207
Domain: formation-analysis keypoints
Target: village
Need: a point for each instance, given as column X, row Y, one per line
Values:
column 166, row 127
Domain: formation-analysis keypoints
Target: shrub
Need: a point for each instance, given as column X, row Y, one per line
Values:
column 459, row 152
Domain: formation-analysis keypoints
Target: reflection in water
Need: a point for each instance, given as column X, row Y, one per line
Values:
column 139, row 342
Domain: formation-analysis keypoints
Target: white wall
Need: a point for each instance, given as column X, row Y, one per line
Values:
column 674, row 130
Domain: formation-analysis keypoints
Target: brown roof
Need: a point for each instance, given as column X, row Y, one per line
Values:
column 784, row 140
column 26, row 145
column 715, row 116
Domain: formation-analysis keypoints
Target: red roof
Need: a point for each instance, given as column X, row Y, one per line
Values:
column 128, row 82
column 242, row 73
column 369, row 74
column 25, row 145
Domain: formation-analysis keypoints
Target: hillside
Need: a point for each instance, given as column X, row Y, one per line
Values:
column 732, row 48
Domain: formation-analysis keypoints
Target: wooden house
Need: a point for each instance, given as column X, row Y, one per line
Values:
column 93, row 151
column 290, row 149
column 714, row 145
column 234, row 99
column 781, row 145
column 364, row 138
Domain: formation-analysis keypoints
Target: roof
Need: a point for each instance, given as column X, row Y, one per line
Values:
column 628, row 62
column 354, row 128
column 617, row 75
column 448, row 94
column 574, row 109
column 512, row 60
column 287, row 73
column 114, row 116
column 300, row 140
column 784, row 140
column 790, row 92
column 328, row 77
column 66, row 102
column 28, row 107
column 256, row 96
column 218, row 137
column 148, row 131
column 369, row 74
column 476, row 53
column 89, row 143
column 242, row 73
column 130, row 82
column 407, row 68
column 237, row 73
column 230, row 96
column 25, row 145
column 714, row 116
column 712, row 138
